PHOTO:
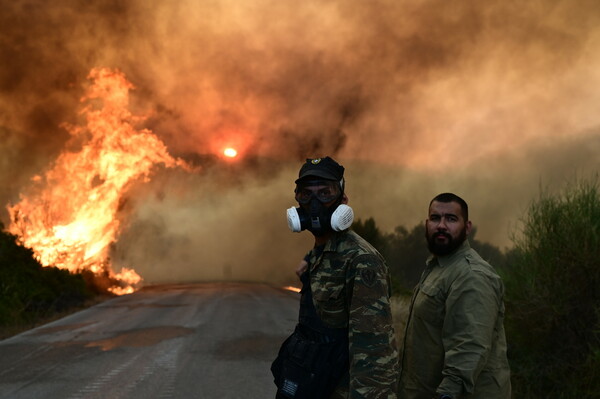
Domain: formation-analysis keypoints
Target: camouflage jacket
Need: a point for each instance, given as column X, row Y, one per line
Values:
column 351, row 289
column 455, row 342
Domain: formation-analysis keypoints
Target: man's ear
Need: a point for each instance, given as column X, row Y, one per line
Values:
column 468, row 227
column 345, row 199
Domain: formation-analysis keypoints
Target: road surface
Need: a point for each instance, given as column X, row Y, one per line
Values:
column 179, row 341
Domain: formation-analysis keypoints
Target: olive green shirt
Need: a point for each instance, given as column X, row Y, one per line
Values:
column 454, row 341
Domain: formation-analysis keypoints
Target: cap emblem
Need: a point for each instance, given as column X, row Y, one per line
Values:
column 315, row 161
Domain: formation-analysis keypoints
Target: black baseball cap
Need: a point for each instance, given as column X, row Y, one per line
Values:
column 325, row 168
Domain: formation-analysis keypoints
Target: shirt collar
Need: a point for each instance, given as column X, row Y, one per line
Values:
column 330, row 246
column 333, row 242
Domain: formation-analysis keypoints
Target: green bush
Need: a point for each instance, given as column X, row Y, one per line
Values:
column 553, row 296
column 30, row 292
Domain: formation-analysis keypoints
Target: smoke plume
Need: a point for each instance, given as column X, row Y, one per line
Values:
column 490, row 100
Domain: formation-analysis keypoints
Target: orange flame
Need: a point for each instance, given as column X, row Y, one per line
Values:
column 70, row 219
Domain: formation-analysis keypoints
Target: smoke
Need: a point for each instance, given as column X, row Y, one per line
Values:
column 490, row 100
column 212, row 232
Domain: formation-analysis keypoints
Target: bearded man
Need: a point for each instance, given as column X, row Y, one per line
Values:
column 454, row 345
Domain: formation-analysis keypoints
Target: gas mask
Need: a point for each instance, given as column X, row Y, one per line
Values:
column 313, row 215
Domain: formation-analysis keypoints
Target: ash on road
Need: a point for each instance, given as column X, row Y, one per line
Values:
column 177, row 341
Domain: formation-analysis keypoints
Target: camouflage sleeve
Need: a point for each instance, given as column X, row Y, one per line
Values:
column 373, row 351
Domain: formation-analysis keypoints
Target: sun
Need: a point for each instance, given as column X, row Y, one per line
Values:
column 230, row 152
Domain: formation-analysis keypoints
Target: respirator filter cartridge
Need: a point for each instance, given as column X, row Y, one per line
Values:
column 293, row 220
column 342, row 218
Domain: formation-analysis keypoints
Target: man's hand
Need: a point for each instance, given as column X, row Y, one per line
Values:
column 301, row 268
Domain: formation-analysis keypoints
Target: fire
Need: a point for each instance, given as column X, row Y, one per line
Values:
column 69, row 219
column 230, row 152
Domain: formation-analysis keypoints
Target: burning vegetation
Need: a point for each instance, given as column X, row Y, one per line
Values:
column 69, row 216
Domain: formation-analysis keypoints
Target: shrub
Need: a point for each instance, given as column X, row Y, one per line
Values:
column 553, row 296
column 29, row 291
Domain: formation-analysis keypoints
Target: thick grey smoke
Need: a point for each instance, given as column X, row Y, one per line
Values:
column 491, row 100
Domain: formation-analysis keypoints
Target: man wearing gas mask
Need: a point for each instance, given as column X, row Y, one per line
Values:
column 343, row 345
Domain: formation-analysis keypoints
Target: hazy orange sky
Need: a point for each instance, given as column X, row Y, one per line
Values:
column 492, row 100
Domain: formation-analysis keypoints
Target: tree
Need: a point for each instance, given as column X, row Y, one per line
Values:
column 553, row 296
column 406, row 254
column 370, row 232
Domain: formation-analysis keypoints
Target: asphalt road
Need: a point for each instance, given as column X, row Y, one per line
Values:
column 179, row 341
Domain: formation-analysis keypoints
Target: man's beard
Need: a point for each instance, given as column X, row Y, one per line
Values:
column 441, row 249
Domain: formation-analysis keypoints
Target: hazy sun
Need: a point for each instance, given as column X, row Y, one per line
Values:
column 230, row 152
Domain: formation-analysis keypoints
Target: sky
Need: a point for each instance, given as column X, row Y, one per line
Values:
column 495, row 101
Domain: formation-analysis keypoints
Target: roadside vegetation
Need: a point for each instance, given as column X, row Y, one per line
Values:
column 553, row 296
column 552, row 280
column 31, row 294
